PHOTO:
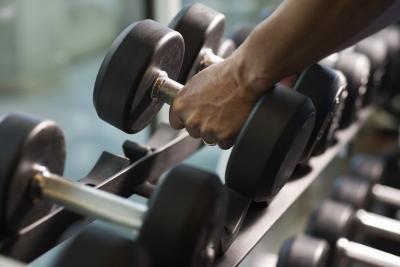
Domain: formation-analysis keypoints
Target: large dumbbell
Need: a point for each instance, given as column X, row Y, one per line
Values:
column 356, row 68
column 136, row 78
column 201, row 27
column 381, row 168
column 101, row 247
column 333, row 220
column 307, row 251
column 361, row 193
column 184, row 216
column 376, row 51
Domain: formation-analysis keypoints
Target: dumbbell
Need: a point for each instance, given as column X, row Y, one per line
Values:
column 308, row 251
column 356, row 68
column 201, row 27
column 101, row 247
column 136, row 78
column 241, row 32
column 376, row 51
column 381, row 168
column 184, row 216
column 226, row 48
column 360, row 193
column 333, row 220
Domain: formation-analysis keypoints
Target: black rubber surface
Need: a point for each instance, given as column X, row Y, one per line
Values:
column 240, row 33
column 201, row 27
column 270, row 144
column 303, row 251
column 323, row 86
column 26, row 141
column 353, row 191
column 184, row 223
column 122, row 92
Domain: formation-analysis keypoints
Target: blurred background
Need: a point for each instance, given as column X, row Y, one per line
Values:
column 51, row 50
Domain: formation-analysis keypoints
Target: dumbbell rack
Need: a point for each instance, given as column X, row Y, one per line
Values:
column 259, row 221
column 165, row 148
column 111, row 173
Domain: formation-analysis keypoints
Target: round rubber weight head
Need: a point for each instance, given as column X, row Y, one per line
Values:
column 330, row 221
column 324, row 87
column 303, row 251
column 122, row 92
column 368, row 166
column 26, row 141
column 184, row 223
column 97, row 246
column 240, row 33
column 353, row 191
column 201, row 27
column 270, row 144
column 226, row 48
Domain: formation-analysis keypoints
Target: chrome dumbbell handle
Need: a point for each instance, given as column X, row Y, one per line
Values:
column 358, row 253
column 377, row 224
column 386, row 194
column 86, row 200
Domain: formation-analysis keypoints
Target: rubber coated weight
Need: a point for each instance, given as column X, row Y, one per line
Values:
column 303, row 251
column 202, row 28
column 356, row 67
column 226, row 48
column 376, row 51
column 324, row 87
column 270, row 144
column 331, row 221
column 353, row 191
column 122, row 92
column 26, row 141
column 100, row 247
column 191, row 219
column 240, row 33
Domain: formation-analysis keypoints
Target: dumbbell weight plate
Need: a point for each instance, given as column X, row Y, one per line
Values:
column 303, row 251
column 201, row 28
column 324, row 87
column 122, row 92
column 26, row 141
column 185, row 219
column 270, row 144
column 226, row 48
column 100, row 247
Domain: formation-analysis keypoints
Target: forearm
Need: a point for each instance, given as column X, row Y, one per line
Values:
column 299, row 33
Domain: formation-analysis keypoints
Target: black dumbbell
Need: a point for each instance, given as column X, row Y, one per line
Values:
column 226, row 48
column 184, row 216
column 201, row 27
column 381, row 168
column 361, row 193
column 376, row 51
column 356, row 67
column 101, row 247
column 307, row 251
column 333, row 220
column 241, row 32
column 136, row 78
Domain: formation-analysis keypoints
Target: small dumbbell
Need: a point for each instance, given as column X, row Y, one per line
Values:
column 201, row 27
column 356, row 68
column 307, row 251
column 360, row 193
column 333, row 220
column 32, row 160
column 379, row 168
column 101, row 247
column 376, row 51
column 226, row 48
column 136, row 78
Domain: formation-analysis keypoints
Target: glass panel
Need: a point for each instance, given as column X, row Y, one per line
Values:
column 50, row 52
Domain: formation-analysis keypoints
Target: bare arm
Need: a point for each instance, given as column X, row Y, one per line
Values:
column 215, row 103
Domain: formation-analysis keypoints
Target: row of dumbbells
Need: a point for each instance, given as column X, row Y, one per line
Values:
column 184, row 222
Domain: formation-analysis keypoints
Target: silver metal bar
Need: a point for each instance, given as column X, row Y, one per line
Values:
column 386, row 194
column 209, row 58
column 359, row 253
column 378, row 224
column 165, row 89
column 8, row 262
column 88, row 201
